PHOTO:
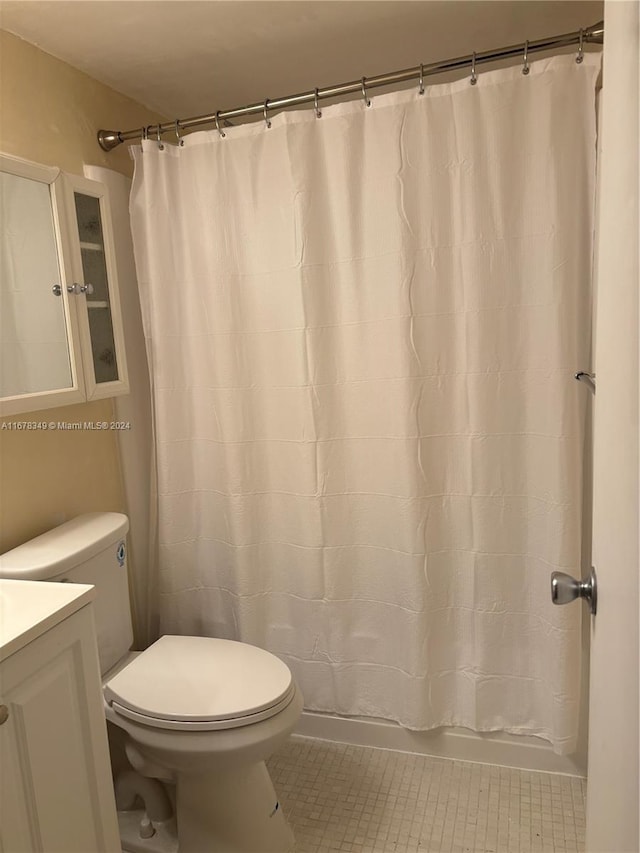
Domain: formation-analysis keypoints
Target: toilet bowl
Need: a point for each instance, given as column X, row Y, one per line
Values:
column 205, row 714
column 201, row 713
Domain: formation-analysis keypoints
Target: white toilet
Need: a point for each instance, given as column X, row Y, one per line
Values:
column 201, row 713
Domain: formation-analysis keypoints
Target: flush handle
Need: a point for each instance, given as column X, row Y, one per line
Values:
column 565, row 588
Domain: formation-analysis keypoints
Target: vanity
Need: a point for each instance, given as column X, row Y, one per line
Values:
column 56, row 790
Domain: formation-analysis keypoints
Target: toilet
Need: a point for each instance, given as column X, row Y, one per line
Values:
column 198, row 713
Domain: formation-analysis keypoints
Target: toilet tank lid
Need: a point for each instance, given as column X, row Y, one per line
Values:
column 61, row 549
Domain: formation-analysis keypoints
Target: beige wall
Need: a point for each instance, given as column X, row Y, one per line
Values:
column 49, row 113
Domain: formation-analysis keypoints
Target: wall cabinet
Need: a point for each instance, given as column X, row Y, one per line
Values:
column 61, row 338
column 56, row 791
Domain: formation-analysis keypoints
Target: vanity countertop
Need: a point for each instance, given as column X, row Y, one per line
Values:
column 29, row 608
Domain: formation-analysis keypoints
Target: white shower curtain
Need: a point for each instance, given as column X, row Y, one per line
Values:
column 362, row 331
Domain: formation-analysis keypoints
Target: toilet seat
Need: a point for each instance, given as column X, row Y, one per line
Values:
column 200, row 684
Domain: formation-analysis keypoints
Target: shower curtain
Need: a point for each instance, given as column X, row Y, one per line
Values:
column 362, row 331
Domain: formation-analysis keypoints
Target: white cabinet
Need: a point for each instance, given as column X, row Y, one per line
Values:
column 56, row 792
column 61, row 338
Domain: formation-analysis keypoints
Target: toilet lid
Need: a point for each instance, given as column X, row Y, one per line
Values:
column 200, row 680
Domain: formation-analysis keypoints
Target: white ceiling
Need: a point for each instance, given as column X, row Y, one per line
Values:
column 182, row 58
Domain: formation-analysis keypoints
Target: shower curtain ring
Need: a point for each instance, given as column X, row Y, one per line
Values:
column 525, row 61
column 218, row 128
column 315, row 104
column 159, row 137
column 580, row 55
column 421, row 81
column 179, row 138
column 363, row 83
column 266, row 118
column 474, row 78
column 145, row 134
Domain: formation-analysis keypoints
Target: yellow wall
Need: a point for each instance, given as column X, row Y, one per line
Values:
column 50, row 113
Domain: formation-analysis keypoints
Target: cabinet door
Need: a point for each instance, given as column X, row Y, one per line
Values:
column 40, row 362
column 94, row 271
column 56, row 792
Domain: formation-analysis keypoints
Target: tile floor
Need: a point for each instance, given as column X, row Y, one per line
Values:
column 356, row 799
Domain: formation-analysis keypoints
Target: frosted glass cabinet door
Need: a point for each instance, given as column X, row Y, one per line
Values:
column 94, row 270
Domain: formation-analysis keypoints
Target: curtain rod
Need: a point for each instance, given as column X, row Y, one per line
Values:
column 109, row 139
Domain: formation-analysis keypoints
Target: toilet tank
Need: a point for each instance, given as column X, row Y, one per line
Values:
column 88, row 549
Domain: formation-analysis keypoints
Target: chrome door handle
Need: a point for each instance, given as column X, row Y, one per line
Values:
column 564, row 589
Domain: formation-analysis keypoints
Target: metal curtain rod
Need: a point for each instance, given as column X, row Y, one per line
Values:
column 109, row 139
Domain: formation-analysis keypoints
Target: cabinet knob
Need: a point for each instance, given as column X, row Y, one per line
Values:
column 79, row 288
column 4, row 714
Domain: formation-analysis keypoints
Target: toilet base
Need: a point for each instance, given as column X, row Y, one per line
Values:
column 231, row 812
column 163, row 840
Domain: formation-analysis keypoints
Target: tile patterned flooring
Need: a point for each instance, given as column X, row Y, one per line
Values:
column 355, row 799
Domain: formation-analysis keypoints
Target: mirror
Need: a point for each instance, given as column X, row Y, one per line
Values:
column 34, row 348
